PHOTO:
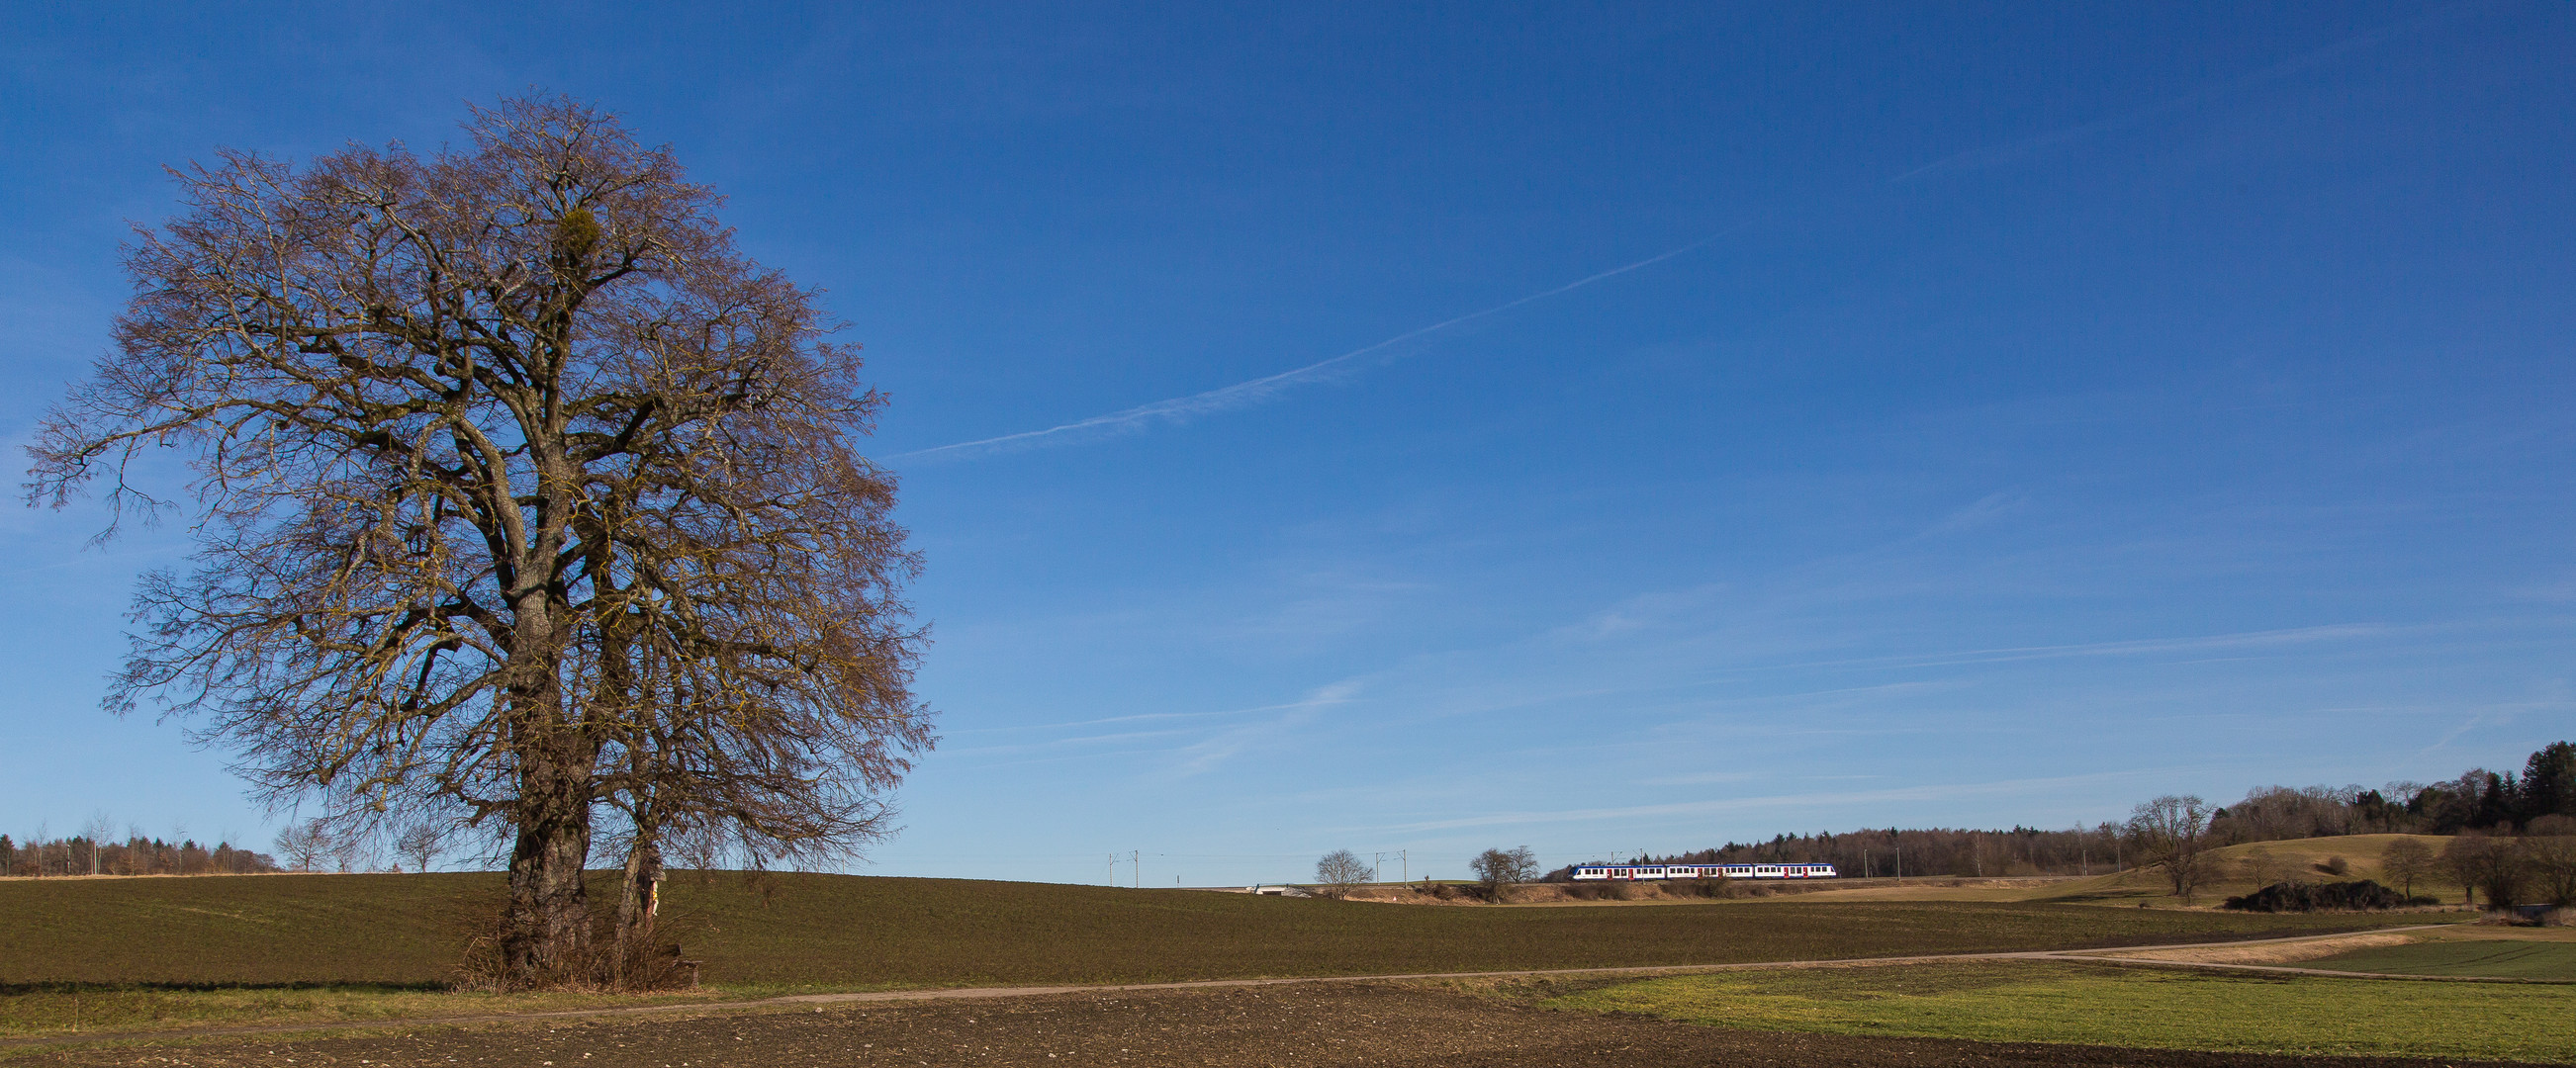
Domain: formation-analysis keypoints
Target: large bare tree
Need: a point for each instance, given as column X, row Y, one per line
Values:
column 520, row 492
column 2174, row 832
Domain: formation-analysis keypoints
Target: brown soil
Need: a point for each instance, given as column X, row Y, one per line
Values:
column 1322, row 1024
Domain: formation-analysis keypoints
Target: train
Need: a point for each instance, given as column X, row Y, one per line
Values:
column 1703, row 871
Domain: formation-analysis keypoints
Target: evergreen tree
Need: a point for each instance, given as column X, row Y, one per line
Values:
column 2549, row 782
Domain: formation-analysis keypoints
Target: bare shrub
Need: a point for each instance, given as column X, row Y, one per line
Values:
column 1498, row 869
column 605, row 963
column 2405, row 861
column 1340, row 872
column 2260, row 868
column 2494, row 866
column 2549, row 858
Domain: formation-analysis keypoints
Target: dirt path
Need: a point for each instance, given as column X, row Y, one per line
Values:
column 818, row 1002
column 1323, row 1025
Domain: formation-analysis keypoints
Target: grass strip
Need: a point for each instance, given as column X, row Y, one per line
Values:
column 2042, row 1001
column 2497, row 958
column 31, row 1010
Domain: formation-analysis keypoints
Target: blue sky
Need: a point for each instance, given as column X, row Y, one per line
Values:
column 2033, row 409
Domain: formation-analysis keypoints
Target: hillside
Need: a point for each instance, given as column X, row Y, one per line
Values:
column 854, row 931
column 2297, row 858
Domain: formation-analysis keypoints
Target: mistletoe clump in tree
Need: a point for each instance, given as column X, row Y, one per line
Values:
column 522, row 496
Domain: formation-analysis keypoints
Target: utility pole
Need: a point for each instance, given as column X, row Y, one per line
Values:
column 1405, row 858
column 1113, row 869
column 1900, row 864
column 1136, row 862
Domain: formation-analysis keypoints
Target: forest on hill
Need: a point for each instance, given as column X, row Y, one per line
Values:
column 2477, row 800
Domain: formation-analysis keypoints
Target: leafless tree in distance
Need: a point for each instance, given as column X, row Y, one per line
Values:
column 304, row 843
column 2406, row 860
column 96, row 833
column 2549, row 852
column 1340, row 872
column 2492, row 864
column 2172, row 832
column 1499, row 869
column 420, row 843
column 518, row 489
column 2260, row 868
column 2463, row 858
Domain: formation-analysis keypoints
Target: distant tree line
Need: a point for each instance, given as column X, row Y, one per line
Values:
column 2479, row 802
column 1926, row 851
column 83, row 854
column 2478, row 799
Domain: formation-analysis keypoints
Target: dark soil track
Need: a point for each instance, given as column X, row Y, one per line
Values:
column 1357, row 1024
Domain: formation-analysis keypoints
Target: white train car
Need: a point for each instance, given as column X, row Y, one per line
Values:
column 1590, row 872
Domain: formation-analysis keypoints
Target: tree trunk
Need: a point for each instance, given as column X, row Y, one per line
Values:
column 547, row 926
column 638, row 903
column 548, row 923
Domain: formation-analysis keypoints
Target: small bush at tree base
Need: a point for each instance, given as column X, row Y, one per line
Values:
column 2360, row 895
column 647, row 961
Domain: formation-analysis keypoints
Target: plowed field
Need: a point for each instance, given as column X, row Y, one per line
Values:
column 1318, row 1025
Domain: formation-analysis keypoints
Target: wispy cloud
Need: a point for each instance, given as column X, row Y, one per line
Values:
column 1183, row 409
column 2260, row 639
column 1195, row 741
column 1139, row 717
column 1206, row 755
column 2037, row 144
column 1066, row 743
column 1977, row 513
column 1179, row 410
column 1928, row 793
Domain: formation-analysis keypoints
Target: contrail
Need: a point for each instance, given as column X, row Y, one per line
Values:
column 2025, row 148
column 1181, row 409
column 1239, row 394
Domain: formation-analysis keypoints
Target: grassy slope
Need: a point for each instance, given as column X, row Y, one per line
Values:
column 2050, row 1002
column 2511, row 960
column 2299, row 858
column 848, row 931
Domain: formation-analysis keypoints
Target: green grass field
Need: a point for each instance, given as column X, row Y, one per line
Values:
column 2511, row 960
column 43, row 1009
column 2039, row 1001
